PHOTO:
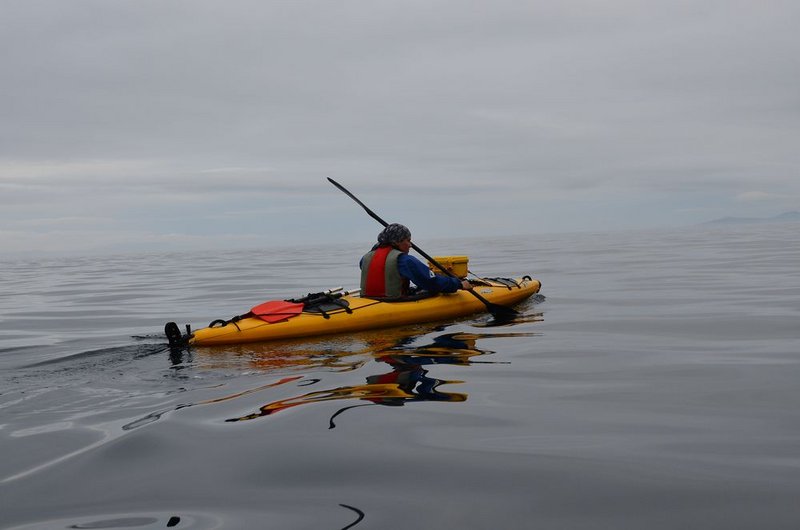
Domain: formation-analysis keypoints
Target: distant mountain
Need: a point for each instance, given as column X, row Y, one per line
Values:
column 786, row 217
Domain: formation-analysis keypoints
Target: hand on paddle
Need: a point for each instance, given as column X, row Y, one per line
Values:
column 466, row 285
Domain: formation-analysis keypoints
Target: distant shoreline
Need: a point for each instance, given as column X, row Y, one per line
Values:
column 786, row 217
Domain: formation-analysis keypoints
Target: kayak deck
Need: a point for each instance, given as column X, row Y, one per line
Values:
column 359, row 314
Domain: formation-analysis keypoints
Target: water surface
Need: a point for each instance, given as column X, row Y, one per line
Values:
column 656, row 387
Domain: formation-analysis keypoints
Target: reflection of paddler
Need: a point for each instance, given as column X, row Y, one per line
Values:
column 394, row 388
column 406, row 382
column 412, row 379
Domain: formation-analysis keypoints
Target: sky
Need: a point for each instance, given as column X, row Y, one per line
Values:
column 155, row 125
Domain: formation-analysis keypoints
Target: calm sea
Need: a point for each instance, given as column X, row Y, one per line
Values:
column 656, row 387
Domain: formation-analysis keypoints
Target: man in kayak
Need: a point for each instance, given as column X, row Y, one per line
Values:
column 388, row 270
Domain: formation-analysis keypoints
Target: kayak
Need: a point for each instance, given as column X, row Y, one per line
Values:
column 333, row 313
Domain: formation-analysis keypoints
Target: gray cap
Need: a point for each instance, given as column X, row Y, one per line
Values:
column 393, row 234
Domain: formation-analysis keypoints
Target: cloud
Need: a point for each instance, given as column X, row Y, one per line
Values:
column 153, row 112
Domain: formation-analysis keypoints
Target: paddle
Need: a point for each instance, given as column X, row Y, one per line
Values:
column 498, row 311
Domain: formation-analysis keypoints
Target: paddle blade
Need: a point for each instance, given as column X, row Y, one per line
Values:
column 277, row 310
column 502, row 312
column 497, row 311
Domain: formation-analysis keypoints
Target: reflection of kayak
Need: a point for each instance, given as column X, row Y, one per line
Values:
column 352, row 313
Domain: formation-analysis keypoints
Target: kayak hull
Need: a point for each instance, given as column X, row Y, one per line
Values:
column 367, row 314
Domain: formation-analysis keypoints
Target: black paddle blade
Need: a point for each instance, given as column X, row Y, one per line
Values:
column 503, row 313
column 497, row 311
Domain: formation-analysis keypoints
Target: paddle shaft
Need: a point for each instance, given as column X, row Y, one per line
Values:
column 493, row 308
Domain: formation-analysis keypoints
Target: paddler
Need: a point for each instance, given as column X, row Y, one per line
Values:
column 388, row 269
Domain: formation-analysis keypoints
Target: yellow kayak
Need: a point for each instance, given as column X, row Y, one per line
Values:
column 350, row 312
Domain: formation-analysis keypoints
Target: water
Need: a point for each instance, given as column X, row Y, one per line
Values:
column 656, row 387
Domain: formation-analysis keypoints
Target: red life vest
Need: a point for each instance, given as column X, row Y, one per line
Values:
column 379, row 275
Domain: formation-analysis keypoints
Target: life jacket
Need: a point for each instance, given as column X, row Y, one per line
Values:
column 380, row 276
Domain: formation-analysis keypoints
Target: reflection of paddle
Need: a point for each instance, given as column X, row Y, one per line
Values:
column 332, row 425
column 498, row 311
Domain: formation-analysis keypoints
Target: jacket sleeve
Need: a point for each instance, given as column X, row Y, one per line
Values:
column 413, row 269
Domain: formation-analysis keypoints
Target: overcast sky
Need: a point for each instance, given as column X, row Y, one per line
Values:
column 150, row 125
